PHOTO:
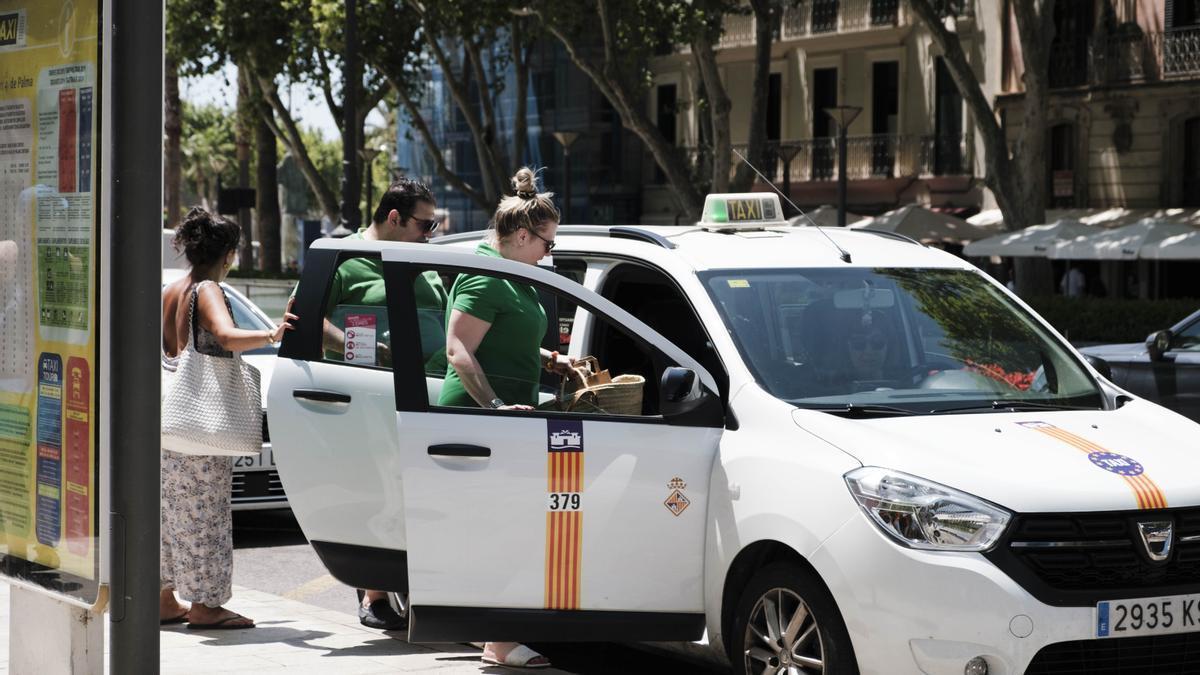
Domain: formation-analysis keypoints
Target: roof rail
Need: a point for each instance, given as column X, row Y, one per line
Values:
column 637, row 233
column 615, row 232
column 889, row 235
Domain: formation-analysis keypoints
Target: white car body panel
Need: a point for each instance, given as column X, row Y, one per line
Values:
column 361, row 502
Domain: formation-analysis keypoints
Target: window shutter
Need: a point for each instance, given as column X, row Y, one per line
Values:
column 1169, row 14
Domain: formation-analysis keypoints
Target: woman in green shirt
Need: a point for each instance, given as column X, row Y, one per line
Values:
column 494, row 330
column 494, row 326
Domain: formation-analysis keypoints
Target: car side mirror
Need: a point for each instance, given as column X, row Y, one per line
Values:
column 1100, row 365
column 679, row 391
column 1158, row 343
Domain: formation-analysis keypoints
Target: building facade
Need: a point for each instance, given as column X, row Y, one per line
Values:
column 605, row 160
column 913, row 141
column 1124, row 115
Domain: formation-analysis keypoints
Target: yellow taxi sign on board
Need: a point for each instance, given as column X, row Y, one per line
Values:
column 741, row 211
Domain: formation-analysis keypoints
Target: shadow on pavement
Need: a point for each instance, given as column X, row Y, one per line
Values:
column 257, row 529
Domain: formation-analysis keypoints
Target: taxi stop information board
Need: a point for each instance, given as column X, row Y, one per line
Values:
column 49, row 295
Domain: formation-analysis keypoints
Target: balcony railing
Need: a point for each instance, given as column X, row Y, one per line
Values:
column 816, row 17
column 867, row 157
column 1126, row 57
column 1149, row 56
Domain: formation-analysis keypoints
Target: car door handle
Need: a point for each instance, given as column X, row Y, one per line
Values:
column 321, row 395
column 459, row 450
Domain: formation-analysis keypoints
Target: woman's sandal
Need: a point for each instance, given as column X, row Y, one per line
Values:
column 520, row 657
column 223, row 624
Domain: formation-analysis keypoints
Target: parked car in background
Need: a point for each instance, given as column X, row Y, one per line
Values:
column 1164, row 369
column 256, row 483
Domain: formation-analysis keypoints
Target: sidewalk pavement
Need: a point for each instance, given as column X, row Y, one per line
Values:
column 298, row 638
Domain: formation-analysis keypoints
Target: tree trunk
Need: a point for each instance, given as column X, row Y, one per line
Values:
column 521, row 54
column 289, row 134
column 267, row 198
column 719, row 108
column 173, row 129
column 352, row 73
column 245, row 109
column 756, row 153
column 492, row 186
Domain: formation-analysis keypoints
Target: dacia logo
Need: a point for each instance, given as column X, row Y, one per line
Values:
column 8, row 28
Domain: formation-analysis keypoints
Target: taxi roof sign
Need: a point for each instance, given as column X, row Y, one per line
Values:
column 741, row 211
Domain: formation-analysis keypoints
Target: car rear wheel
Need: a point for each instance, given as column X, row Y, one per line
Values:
column 788, row 624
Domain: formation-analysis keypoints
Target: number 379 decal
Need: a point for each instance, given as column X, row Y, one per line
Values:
column 563, row 501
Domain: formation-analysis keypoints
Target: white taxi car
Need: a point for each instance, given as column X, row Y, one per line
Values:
column 855, row 454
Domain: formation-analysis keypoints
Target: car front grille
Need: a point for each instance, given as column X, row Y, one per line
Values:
column 257, row 486
column 1079, row 559
column 1158, row 655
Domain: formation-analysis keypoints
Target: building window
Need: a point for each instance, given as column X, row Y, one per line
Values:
column 665, row 113
column 824, row 96
column 1191, row 162
column 824, row 16
column 1072, row 38
column 775, row 107
column 1061, row 168
column 885, row 116
column 948, row 124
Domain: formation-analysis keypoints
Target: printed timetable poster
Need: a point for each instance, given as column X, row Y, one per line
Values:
column 49, row 287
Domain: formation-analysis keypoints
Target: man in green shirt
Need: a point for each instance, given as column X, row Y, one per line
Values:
column 405, row 213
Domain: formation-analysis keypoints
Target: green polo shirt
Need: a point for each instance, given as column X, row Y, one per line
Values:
column 359, row 281
column 508, row 352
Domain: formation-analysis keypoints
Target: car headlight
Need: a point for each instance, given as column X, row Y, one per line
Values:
column 925, row 515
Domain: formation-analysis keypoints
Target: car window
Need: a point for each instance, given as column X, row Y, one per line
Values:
column 356, row 330
column 1188, row 339
column 918, row 339
column 624, row 374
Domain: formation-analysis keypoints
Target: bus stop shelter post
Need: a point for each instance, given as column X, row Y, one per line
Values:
column 133, row 43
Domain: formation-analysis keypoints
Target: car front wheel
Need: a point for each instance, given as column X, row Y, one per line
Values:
column 787, row 623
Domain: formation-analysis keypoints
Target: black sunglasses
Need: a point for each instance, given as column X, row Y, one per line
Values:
column 428, row 225
column 548, row 242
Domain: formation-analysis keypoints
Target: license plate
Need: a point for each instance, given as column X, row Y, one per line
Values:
column 265, row 459
column 1148, row 616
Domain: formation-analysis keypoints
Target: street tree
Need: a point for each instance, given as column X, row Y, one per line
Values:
column 1017, row 179
column 206, row 150
column 612, row 41
column 189, row 52
column 767, row 14
column 474, row 45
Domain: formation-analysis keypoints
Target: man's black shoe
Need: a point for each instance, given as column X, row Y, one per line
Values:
column 381, row 616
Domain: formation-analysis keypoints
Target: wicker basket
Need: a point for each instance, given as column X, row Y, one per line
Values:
column 598, row 392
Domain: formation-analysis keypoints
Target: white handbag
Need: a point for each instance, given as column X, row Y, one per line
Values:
column 211, row 405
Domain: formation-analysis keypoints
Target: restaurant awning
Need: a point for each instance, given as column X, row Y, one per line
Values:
column 926, row 226
column 1108, row 218
column 1131, row 242
column 1032, row 242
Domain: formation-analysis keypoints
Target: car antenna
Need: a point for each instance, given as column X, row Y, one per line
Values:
column 842, row 253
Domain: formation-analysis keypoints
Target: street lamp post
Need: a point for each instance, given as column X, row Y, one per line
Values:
column 842, row 115
column 368, row 156
column 565, row 139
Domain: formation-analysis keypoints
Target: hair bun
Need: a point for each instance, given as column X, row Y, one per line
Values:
column 524, row 183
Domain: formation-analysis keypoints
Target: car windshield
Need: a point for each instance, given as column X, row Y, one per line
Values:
column 905, row 341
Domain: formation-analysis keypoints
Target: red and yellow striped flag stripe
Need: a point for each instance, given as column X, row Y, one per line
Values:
column 564, row 533
column 1147, row 492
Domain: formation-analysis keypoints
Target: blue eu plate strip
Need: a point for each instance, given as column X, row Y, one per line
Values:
column 1102, row 620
